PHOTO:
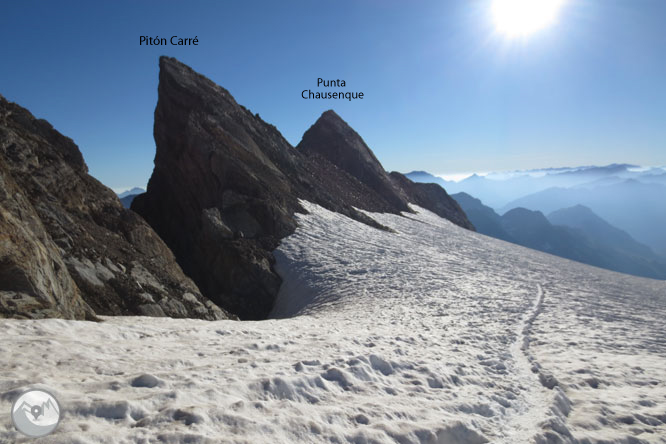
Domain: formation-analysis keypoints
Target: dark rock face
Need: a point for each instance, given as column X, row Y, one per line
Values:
column 221, row 194
column 226, row 186
column 332, row 139
column 68, row 248
column 431, row 197
column 346, row 188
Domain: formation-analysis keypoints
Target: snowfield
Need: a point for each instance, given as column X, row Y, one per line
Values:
column 428, row 334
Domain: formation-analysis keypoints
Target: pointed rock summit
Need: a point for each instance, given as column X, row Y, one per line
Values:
column 67, row 246
column 334, row 140
column 331, row 142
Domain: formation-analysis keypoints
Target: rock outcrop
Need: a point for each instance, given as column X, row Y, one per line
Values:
column 333, row 139
column 34, row 282
column 67, row 246
column 226, row 186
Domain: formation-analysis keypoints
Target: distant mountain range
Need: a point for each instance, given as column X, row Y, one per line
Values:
column 630, row 198
column 575, row 233
column 498, row 190
column 636, row 207
column 484, row 218
column 132, row 192
column 127, row 197
column 599, row 231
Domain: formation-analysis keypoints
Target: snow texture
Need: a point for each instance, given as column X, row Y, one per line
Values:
column 428, row 334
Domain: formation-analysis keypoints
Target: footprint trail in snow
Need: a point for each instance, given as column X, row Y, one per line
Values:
column 428, row 334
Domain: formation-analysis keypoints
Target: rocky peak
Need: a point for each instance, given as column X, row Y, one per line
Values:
column 330, row 135
column 202, row 104
column 334, row 140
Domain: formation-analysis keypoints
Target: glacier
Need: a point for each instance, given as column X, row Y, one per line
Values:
column 427, row 333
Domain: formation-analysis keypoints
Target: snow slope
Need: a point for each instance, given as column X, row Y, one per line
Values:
column 428, row 334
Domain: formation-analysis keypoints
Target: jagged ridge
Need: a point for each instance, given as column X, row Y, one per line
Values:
column 226, row 186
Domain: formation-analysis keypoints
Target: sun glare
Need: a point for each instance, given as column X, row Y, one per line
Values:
column 523, row 17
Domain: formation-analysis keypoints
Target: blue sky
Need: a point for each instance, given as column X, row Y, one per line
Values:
column 444, row 90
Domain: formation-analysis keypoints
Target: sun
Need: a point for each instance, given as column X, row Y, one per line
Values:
column 524, row 17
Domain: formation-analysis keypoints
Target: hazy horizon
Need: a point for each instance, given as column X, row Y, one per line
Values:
column 458, row 177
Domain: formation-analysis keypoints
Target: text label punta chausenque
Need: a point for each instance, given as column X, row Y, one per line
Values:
column 309, row 94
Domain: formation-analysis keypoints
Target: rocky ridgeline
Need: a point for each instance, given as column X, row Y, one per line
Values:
column 224, row 191
column 332, row 139
column 67, row 246
column 226, row 186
